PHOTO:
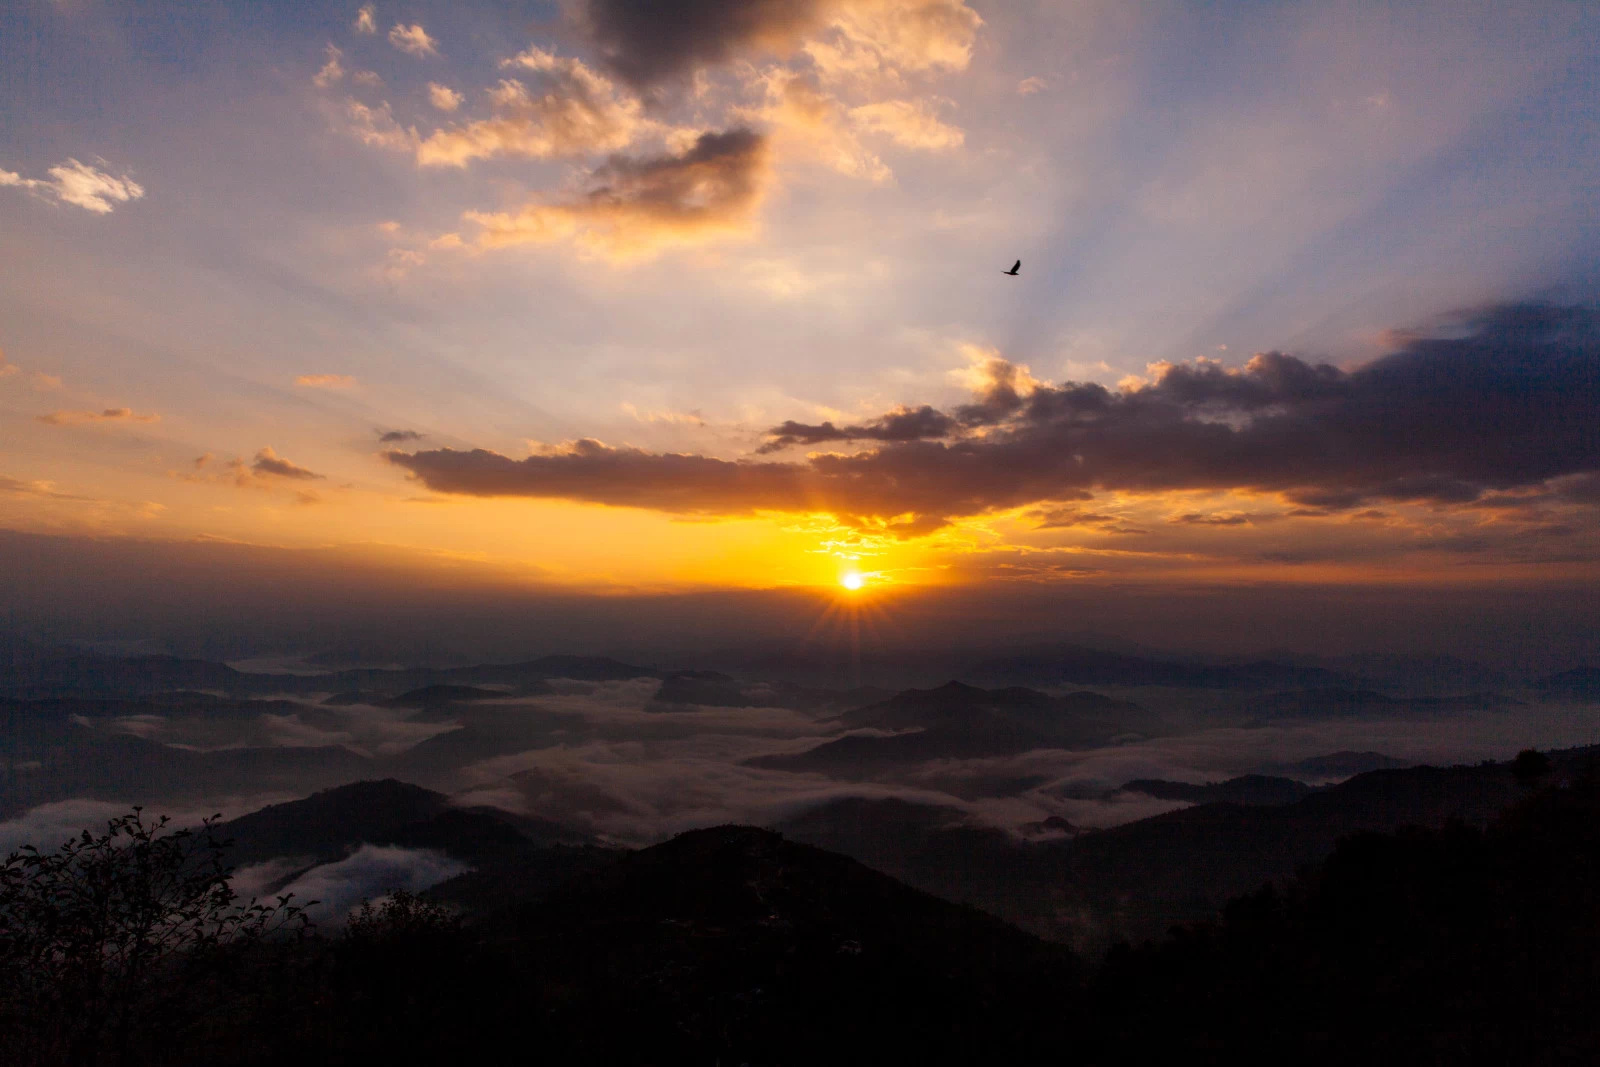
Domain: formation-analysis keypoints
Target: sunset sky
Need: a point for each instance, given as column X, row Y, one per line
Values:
column 612, row 301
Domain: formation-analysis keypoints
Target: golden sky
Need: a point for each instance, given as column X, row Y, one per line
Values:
column 621, row 296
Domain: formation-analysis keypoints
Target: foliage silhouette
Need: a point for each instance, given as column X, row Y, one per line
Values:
column 109, row 939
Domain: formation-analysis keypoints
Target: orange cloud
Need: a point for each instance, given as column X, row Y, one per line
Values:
column 570, row 110
column 332, row 71
column 326, row 381
column 268, row 462
column 812, row 121
column 912, row 124
column 443, row 97
column 413, row 40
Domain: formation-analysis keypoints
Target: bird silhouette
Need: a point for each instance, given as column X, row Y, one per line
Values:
column 1014, row 268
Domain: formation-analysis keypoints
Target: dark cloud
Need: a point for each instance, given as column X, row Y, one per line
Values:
column 269, row 462
column 1195, row 518
column 906, row 424
column 1064, row 518
column 648, row 42
column 1510, row 402
column 634, row 205
column 394, row 437
column 717, row 173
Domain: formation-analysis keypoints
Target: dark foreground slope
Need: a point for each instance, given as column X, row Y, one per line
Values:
column 729, row 945
column 1459, row 945
column 734, row 945
column 1451, row 946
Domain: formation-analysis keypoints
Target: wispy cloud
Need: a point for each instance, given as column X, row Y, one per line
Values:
column 568, row 110
column 71, row 418
column 332, row 71
column 326, row 381
column 80, row 185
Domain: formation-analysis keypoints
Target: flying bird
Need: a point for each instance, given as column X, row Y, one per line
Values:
column 1014, row 268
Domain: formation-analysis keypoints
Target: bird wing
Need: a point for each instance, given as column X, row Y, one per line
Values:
column 1016, row 266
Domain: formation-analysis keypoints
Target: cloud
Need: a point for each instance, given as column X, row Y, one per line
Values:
column 391, row 437
column 371, row 871
column 1069, row 518
column 877, row 41
column 268, row 462
column 79, row 184
column 70, row 418
column 570, row 110
column 902, row 424
column 366, row 20
column 42, row 490
column 412, row 40
column 1194, row 518
column 7, row 369
column 332, row 71
column 637, row 206
column 911, row 124
column 648, row 43
column 803, row 116
column 443, row 97
column 1029, row 86
column 1313, row 434
column 326, row 381
column 376, row 127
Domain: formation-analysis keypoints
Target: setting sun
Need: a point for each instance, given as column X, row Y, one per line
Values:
column 852, row 581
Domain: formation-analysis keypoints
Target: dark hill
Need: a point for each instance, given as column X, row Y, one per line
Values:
column 957, row 721
column 1339, row 702
column 1181, row 866
column 1457, row 945
column 64, row 672
column 955, row 703
column 328, row 825
column 1078, row 665
column 1247, row 789
column 711, row 689
column 1344, row 764
column 35, row 672
column 1582, row 683
column 733, row 945
column 59, row 759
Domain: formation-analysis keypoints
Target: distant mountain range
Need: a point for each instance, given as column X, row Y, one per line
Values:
column 1249, row 789
column 957, row 721
column 37, row 672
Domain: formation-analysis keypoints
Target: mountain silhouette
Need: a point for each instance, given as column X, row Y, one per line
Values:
column 957, row 721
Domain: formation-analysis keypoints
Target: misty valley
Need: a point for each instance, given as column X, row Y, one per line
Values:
column 1068, row 853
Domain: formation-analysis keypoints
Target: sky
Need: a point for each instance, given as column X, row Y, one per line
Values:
column 615, row 297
